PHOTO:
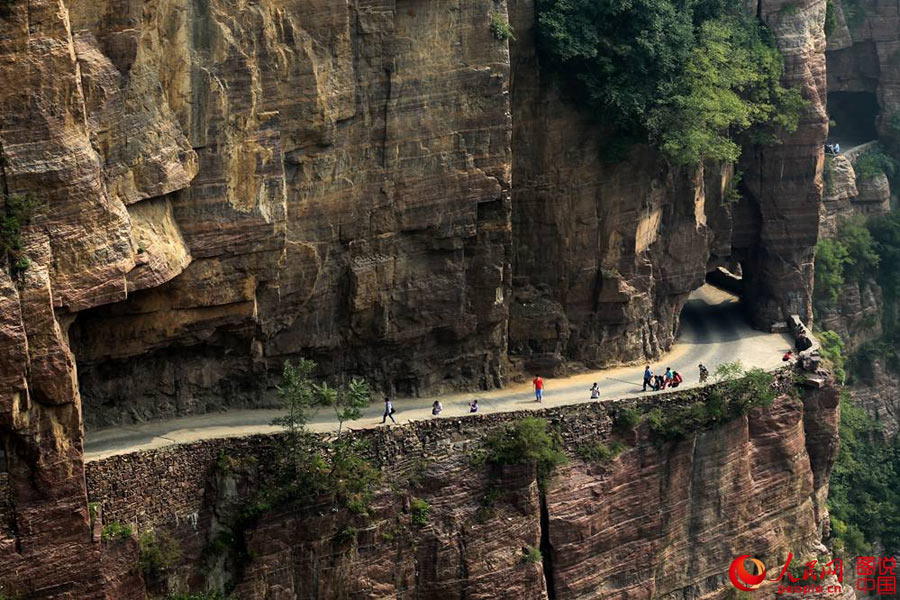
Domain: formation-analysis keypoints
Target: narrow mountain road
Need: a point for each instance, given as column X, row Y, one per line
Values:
column 713, row 331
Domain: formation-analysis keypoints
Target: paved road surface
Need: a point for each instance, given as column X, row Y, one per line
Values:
column 713, row 331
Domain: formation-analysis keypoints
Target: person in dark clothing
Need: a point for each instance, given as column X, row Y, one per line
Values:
column 658, row 382
column 388, row 411
column 648, row 377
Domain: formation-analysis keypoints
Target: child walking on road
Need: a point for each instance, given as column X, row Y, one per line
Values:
column 595, row 391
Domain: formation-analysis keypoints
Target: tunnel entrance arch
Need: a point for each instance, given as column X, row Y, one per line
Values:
column 853, row 118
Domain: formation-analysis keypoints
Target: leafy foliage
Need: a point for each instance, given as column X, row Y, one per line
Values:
column 737, row 391
column 302, row 397
column 864, row 499
column 871, row 164
column 115, row 531
column 17, row 211
column 297, row 392
column 418, row 510
column 853, row 254
column 685, row 75
column 599, row 453
column 832, row 348
column 500, row 29
column 831, row 22
column 626, row 419
column 532, row 555
column 886, row 234
column 158, row 552
column 526, row 441
column 831, row 259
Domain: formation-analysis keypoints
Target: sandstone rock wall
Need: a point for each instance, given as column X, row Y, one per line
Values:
column 604, row 254
column 225, row 185
column 658, row 520
column 784, row 182
column 351, row 202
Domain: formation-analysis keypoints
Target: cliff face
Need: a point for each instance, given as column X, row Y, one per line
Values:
column 658, row 520
column 351, row 202
column 225, row 185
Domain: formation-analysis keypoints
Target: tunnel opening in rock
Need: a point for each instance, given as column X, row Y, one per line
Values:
column 713, row 323
column 853, row 116
column 132, row 371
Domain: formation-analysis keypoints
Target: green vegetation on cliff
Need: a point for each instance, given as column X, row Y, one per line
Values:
column 852, row 255
column 864, row 499
column 17, row 211
column 526, row 442
column 684, row 75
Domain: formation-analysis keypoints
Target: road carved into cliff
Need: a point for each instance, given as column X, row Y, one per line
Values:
column 713, row 331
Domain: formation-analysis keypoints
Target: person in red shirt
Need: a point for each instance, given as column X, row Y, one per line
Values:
column 538, row 384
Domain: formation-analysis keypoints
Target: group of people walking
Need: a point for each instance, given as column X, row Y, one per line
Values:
column 669, row 379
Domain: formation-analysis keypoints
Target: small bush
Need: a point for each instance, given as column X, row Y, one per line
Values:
column 532, row 555
column 526, row 442
column 419, row 510
column 115, row 531
column 17, row 211
column 346, row 535
column 831, row 349
column 598, row 452
column 159, row 552
column 626, row 419
column 872, row 164
column 500, row 29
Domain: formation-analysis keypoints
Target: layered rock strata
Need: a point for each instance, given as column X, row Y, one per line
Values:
column 223, row 186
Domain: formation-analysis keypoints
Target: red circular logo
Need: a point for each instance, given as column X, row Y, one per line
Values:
column 743, row 579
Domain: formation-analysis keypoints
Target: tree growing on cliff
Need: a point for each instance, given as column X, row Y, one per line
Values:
column 526, row 442
column 348, row 401
column 297, row 392
column 682, row 75
column 302, row 397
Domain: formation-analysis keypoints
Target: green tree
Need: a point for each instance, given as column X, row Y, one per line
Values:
column 862, row 255
column 831, row 257
column 886, row 233
column 526, row 441
column 683, row 74
column 864, row 499
column 17, row 212
column 729, row 84
column 348, row 401
column 298, row 393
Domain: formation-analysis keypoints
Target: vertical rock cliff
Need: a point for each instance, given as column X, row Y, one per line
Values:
column 379, row 186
